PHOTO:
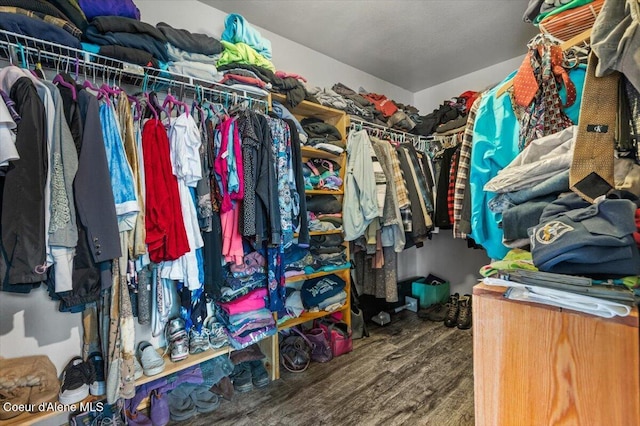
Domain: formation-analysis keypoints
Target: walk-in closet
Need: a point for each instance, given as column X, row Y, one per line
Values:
column 358, row 212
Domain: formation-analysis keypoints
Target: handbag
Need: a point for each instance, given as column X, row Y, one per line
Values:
column 295, row 352
column 320, row 346
column 339, row 336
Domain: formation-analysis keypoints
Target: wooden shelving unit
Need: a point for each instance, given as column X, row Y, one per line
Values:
column 340, row 120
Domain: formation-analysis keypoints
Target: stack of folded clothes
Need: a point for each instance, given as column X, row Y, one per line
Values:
column 324, row 222
column 371, row 107
column 323, row 293
column 246, row 50
column 323, row 135
column 59, row 22
column 318, row 294
column 242, row 304
column 321, row 174
column 191, row 54
column 95, row 8
column 126, row 39
column 328, row 253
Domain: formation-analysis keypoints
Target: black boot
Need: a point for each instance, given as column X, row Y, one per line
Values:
column 452, row 311
column 464, row 315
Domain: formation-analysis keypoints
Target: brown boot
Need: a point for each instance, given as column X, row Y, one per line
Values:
column 47, row 390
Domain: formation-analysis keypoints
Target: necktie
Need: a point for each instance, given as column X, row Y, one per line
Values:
column 591, row 173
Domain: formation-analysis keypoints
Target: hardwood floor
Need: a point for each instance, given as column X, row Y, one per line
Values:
column 409, row 372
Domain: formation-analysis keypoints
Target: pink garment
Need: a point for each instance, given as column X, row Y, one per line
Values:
column 243, row 79
column 237, row 149
column 249, row 302
column 293, row 273
column 283, row 74
column 231, row 239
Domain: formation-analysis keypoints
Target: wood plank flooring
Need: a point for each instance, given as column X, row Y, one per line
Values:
column 409, row 372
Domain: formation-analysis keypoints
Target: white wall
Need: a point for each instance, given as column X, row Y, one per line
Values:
column 317, row 68
column 429, row 99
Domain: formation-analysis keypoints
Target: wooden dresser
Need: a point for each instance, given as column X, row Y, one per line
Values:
column 541, row 365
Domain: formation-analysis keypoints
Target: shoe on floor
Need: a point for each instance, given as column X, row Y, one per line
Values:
column 438, row 313
column 99, row 386
column 464, row 317
column 241, row 376
column 451, row 318
column 223, row 388
column 152, row 362
column 76, row 378
column 259, row 375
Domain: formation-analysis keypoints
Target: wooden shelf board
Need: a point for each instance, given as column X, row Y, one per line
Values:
column 310, row 109
column 309, row 152
column 323, row 192
column 304, row 277
column 312, row 233
column 173, row 367
column 309, row 316
column 32, row 418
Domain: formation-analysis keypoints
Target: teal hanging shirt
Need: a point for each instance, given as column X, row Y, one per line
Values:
column 495, row 145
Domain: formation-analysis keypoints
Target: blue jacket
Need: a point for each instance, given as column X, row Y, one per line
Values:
column 576, row 237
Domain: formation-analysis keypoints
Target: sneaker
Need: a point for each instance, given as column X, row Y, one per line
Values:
column 452, row 311
column 180, row 349
column 177, row 339
column 175, row 329
column 198, row 341
column 217, row 336
column 241, row 377
column 464, row 317
column 99, row 386
column 76, row 377
column 259, row 375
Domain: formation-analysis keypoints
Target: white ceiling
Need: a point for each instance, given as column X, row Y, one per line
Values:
column 414, row 44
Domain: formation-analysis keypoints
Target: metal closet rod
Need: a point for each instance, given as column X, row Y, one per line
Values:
column 21, row 49
column 362, row 124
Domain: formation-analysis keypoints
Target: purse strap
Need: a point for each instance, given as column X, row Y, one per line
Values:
column 306, row 339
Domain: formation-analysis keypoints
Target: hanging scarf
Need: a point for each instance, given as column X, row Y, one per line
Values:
column 536, row 91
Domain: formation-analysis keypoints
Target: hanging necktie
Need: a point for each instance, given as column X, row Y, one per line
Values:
column 591, row 173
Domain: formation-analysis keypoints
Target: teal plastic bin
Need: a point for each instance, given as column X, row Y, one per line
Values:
column 430, row 290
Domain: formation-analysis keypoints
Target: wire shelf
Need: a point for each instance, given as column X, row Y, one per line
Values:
column 29, row 51
column 421, row 143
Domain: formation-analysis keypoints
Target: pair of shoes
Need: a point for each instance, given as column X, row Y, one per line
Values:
column 459, row 311
column 189, row 399
column 77, row 376
column 436, row 312
column 152, row 362
column 177, row 339
column 248, row 374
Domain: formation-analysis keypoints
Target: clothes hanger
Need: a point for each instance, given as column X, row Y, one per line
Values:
column 150, row 105
column 59, row 80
